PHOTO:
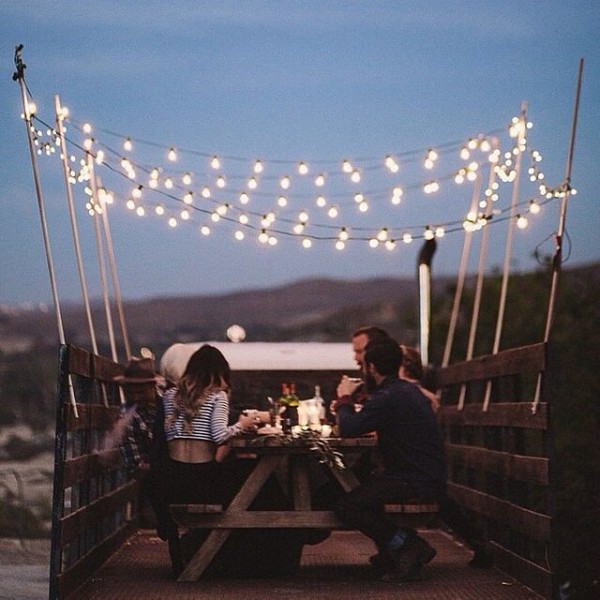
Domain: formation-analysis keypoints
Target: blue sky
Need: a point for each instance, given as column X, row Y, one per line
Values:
column 286, row 82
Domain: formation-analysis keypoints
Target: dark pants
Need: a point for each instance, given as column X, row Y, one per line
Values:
column 363, row 507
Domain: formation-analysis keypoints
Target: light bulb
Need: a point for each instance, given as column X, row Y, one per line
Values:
column 205, row 230
column 282, row 201
column 302, row 168
column 220, row 181
column 340, row 245
column 306, row 243
column 172, row 154
column 172, row 222
column 347, row 166
column 284, row 182
column 215, row 163
column 258, row 167
column 321, row 201
column 244, row 198
column 355, row 177
column 239, row 235
column 320, row 180
column 127, row 145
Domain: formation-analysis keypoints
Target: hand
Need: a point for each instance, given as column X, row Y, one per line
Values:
column 247, row 421
column 348, row 386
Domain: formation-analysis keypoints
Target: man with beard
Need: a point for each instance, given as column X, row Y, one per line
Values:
column 411, row 448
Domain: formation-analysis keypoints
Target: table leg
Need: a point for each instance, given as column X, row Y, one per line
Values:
column 242, row 500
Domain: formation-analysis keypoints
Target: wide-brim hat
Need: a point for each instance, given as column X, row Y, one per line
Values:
column 138, row 370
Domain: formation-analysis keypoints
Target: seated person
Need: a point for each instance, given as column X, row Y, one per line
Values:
column 411, row 448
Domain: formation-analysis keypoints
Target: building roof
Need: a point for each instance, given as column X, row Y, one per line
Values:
column 265, row 356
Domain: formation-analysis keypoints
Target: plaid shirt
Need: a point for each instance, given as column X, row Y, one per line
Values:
column 136, row 447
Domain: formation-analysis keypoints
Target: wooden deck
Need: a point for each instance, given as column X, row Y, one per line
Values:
column 337, row 568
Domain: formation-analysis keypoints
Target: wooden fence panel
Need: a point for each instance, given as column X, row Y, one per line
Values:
column 498, row 457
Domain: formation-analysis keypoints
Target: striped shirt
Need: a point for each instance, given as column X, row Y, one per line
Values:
column 210, row 424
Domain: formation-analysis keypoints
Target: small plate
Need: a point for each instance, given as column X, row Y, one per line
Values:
column 269, row 430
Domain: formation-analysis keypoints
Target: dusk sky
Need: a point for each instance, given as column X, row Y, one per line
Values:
column 313, row 82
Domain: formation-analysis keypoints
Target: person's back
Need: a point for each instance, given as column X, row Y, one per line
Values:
column 408, row 434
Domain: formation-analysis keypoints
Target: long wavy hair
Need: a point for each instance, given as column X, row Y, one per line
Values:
column 207, row 372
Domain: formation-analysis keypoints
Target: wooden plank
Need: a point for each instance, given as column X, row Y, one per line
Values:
column 534, row 576
column 92, row 416
column 88, row 516
column 505, row 414
column 90, row 465
column 104, row 369
column 410, row 508
column 512, row 466
column 78, row 361
column 263, row 519
column 185, row 509
column 239, row 504
column 77, row 574
column 531, row 523
column 526, row 359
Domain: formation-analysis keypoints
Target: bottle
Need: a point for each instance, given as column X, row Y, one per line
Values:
column 282, row 405
column 321, row 405
column 292, row 405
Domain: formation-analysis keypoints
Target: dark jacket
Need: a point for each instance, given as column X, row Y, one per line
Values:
column 408, row 435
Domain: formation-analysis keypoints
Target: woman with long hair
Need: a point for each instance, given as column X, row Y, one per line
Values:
column 196, row 415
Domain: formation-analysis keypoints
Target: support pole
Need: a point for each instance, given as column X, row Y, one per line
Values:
column 557, row 260
column 19, row 76
column 425, row 258
column 101, row 262
column 509, row 243
column 74, row 229
column 113, row 269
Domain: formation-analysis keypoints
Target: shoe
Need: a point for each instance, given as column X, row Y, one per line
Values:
column 408, row 560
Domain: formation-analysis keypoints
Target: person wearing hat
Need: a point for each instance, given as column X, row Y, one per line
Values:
column 144, row 447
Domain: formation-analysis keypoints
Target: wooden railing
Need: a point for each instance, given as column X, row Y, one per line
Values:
column 95, row 506
column 498, row 457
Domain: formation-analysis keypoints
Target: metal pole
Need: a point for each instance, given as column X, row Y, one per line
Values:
column 557, row 261
column 425, row 258
column 19, row 76
column 63, row 148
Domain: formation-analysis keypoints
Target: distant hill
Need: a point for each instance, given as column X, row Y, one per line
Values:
column 306, row 310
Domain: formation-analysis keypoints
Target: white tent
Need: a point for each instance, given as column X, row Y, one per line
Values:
column 265, row 356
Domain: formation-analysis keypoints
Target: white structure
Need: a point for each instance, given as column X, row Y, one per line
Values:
column 265, row 356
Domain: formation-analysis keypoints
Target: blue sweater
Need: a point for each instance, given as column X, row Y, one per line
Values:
column 408, row 435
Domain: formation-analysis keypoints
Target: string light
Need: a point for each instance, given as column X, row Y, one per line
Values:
column 522, row 222
column 502, row 164
column 215, row 163
column 172, row 154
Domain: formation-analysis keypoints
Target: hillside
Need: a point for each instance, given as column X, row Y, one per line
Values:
column 306, row 310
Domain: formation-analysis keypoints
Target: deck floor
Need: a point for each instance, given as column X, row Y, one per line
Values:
column 337, row 568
